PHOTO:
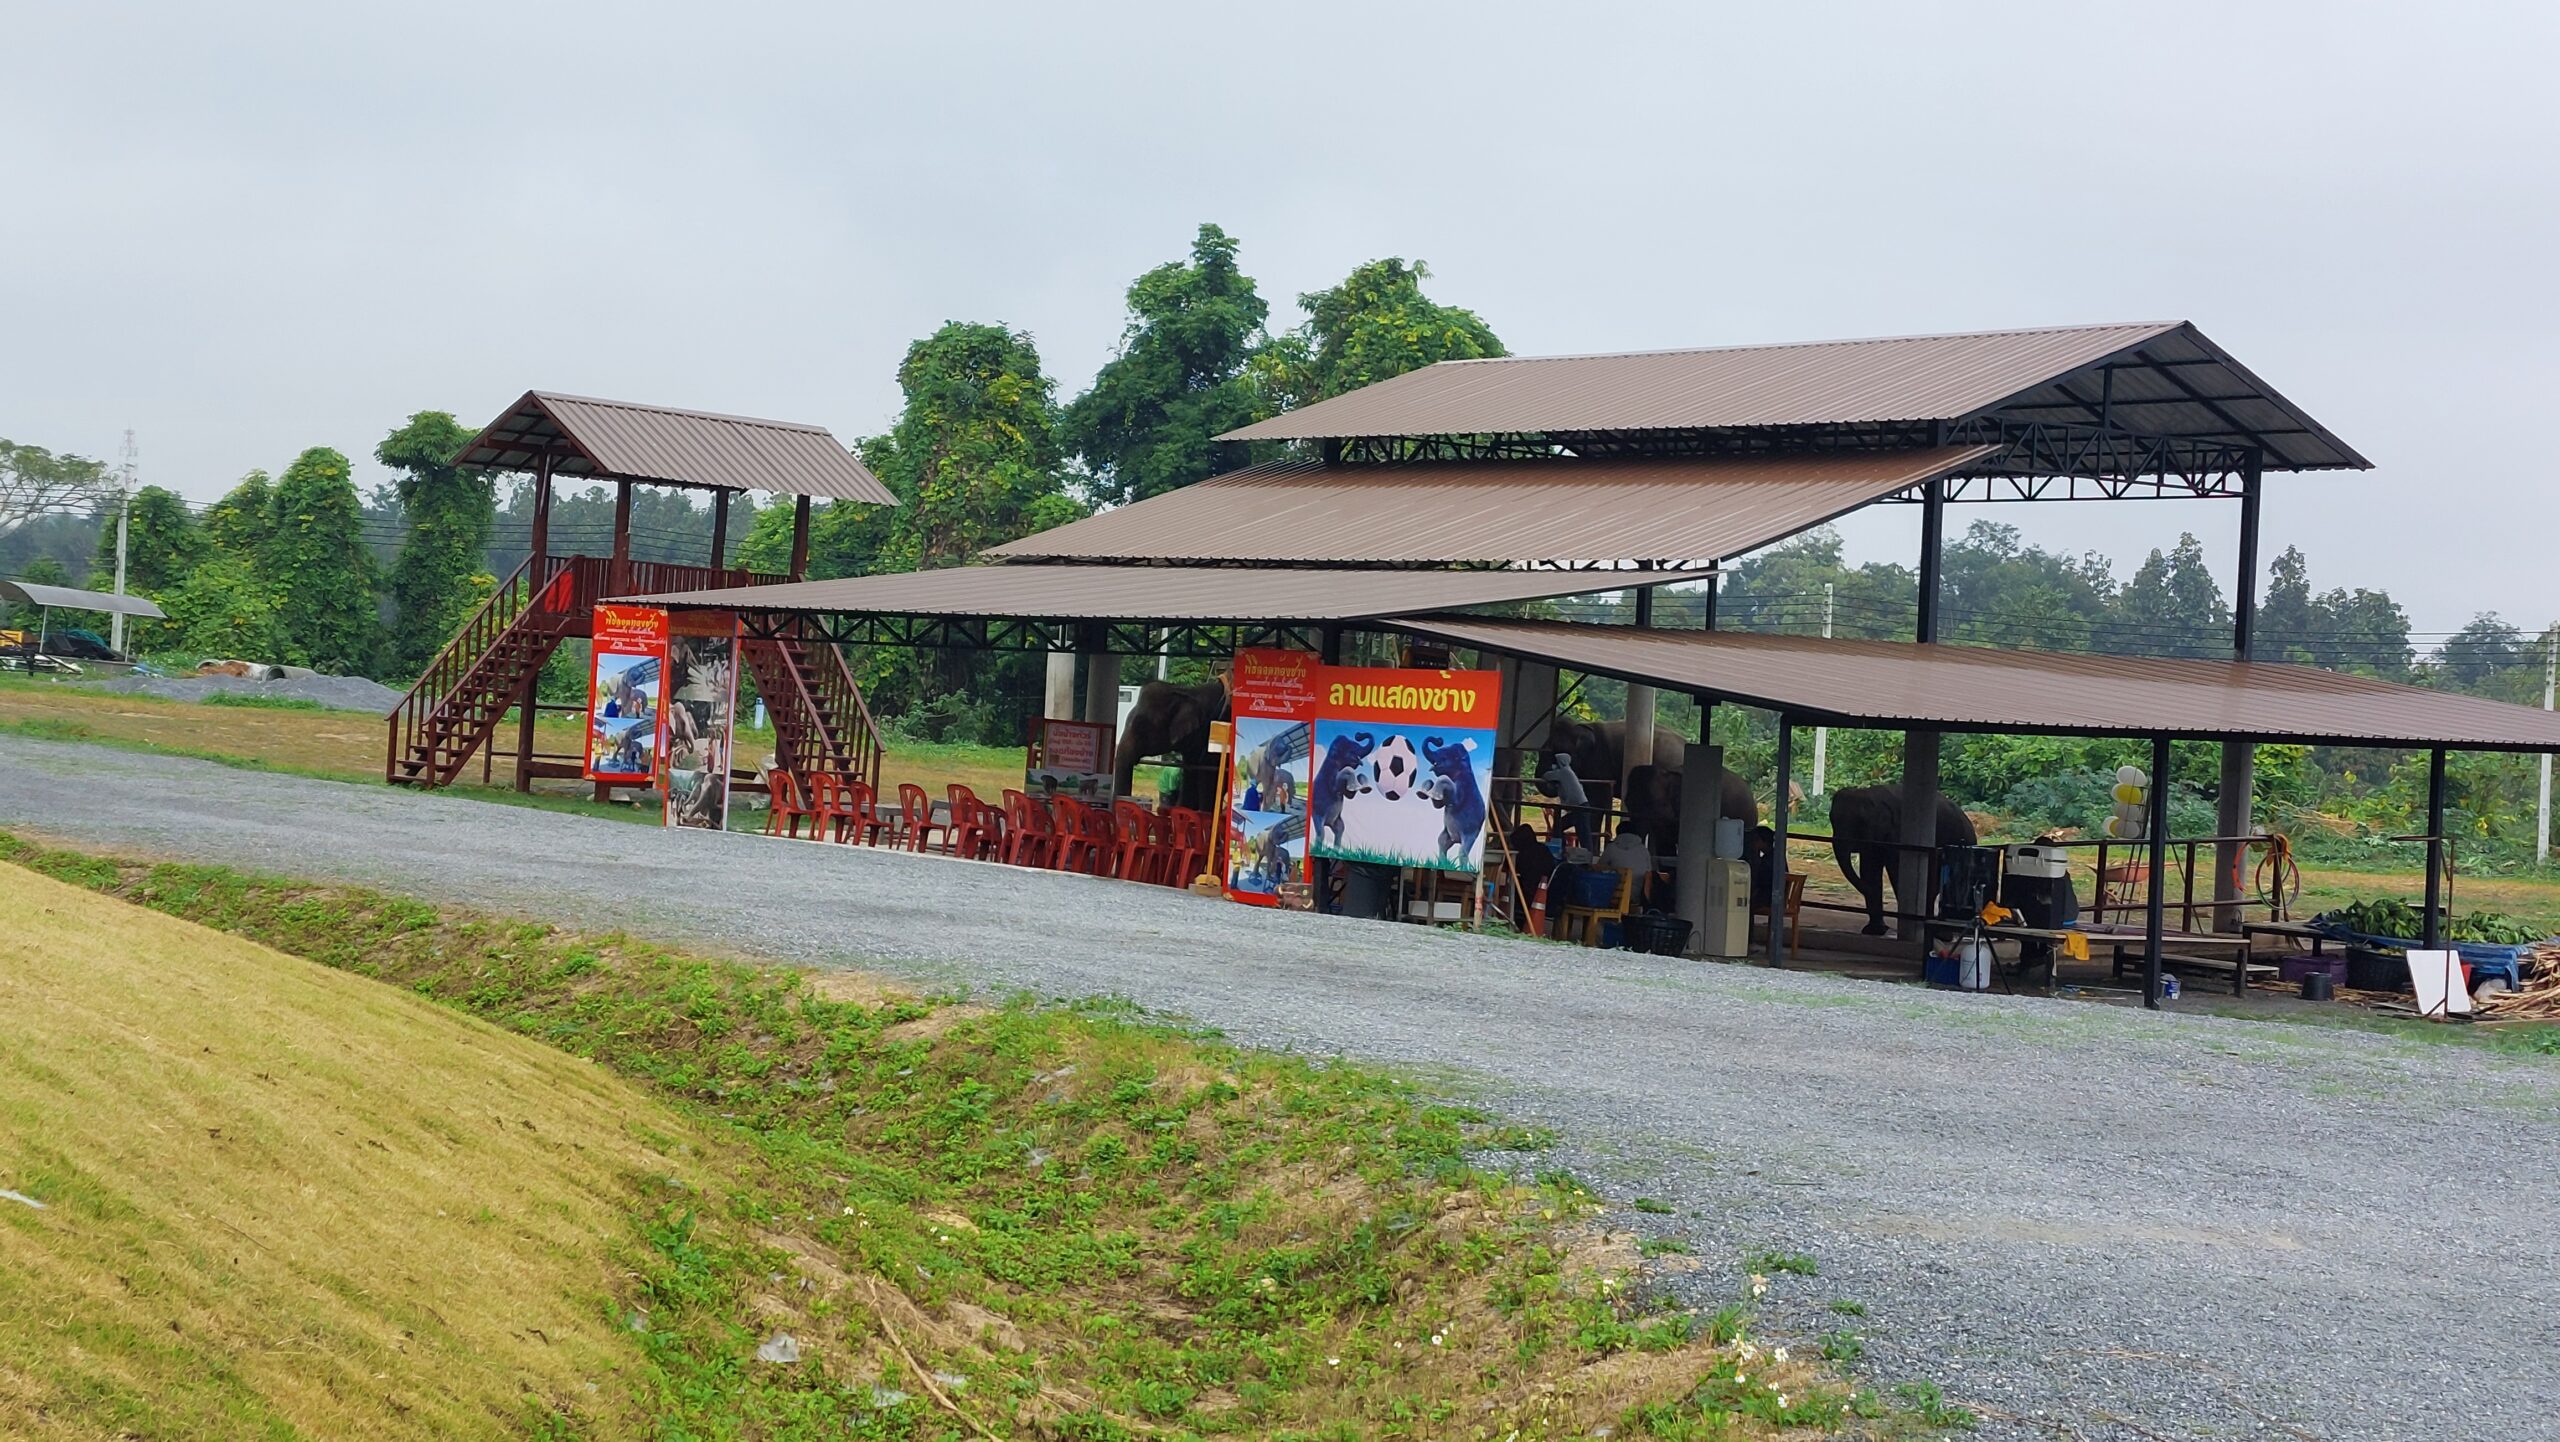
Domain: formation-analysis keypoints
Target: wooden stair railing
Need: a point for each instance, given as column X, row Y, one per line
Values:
column 459, row 698
column 820, row 721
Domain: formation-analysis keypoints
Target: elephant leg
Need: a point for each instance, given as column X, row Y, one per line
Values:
column 1878, row 866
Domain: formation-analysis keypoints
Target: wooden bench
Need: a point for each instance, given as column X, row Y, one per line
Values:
column 2183, row 951
column 2289, row 930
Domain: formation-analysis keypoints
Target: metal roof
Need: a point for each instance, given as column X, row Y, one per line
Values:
column 614, row 440
column 2153, row 379
column 1498, row 512
column 67, row 598
column 1160, row 593
column 1966, row 688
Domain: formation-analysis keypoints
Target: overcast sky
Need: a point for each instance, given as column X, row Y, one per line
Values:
column 245, row 229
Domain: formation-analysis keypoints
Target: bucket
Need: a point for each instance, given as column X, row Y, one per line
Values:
column 2317, row 986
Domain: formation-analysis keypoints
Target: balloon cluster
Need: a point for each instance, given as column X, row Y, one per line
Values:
column 2133, row 791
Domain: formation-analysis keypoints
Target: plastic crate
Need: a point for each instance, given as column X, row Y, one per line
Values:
column 2294, row 968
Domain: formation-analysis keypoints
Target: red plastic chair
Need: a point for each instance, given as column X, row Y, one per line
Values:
column 1076, row 842
column 1031, row 834
column 1188, row 852
column 790, row 806
column 1141, row 852
column 865, row 823
column 830, row 808
column 916, row 825
column 964, row 806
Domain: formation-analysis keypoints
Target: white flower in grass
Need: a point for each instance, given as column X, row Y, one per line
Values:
column 1778, row 1355
column 1436, row 1339
column 1782, row 1399
column 1333, row 1361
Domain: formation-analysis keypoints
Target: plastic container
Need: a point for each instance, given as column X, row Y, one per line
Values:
column 1657, row 933
column 2292, row 969
column 2317, row 986
column 2370, row 970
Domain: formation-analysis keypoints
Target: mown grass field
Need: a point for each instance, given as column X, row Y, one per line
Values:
column 971, row 1220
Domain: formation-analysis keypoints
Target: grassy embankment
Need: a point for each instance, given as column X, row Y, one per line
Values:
column 285, row 1200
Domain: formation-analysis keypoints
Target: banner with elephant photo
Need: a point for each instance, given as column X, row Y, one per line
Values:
column 1403, row 764
column 702, row 703
column 1266, row 812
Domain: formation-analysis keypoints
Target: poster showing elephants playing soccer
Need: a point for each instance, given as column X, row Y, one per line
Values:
column 1403, row 762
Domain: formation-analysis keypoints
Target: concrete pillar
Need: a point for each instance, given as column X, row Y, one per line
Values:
column 1640, row 707
column 1058, row 695
column 1916, row 863
column 1533, row 708
column 2233, row 816
column 1102, row 690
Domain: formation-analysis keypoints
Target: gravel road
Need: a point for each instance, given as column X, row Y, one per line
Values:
column 2088, row 1221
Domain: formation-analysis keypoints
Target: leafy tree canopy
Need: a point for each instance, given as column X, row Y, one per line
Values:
column 1146, row 426
column 1376, row 324
column 974, row 457
column 162, row 544
column 241, row 521
column 36, row 482
column 315, row 563
column 440, row 577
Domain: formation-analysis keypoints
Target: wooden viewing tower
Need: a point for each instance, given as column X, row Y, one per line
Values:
column 493, row 663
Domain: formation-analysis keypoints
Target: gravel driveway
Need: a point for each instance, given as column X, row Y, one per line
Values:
column 2087, row 1221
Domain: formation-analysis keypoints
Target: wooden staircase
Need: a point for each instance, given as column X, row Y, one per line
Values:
column 820, row 720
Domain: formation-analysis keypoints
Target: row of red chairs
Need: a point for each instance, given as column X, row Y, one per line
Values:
column 1062, row 833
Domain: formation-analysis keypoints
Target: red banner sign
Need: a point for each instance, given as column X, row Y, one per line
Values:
column 626, row 695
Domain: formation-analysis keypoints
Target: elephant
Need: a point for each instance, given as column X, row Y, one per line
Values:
column 1172, row 720
column 1652, row 798
column 1338, row 779
column 1866, row 824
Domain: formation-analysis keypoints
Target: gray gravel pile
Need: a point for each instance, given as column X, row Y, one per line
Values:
column 2088, row 1221
column 338, row 693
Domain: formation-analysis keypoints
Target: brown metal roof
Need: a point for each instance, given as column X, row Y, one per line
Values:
column 2153, row 379
column 1966, row 688
column 613, row 440
column 1162, row 593
column 1527, row 512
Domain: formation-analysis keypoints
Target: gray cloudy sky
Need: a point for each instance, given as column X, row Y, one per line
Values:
column 246, row 229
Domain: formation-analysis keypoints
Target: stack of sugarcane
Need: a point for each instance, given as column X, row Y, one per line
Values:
column 2539, row 999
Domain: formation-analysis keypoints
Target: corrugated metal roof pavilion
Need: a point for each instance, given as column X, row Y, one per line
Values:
column 1902, row 684
column 2159, row 379
column 657, row 445
column 1559, row 512
column 1160, row 593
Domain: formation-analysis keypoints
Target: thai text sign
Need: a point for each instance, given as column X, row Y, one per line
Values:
column 626, row 691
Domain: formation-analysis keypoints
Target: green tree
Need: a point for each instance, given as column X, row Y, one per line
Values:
column 222, row 608
column 241, row 521
column 440, row 578
column 2172, row 607
column 35, row 482
column 1147, row 425
column 1376, row 324
column 162, row 544
column 2479, row 651
column 974, row 457
column 314, row 563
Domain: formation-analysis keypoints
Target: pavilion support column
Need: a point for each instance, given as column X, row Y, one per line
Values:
column 1640, row 711
column 524, row 734
column 621, row 538
column 719, row 528
column 1701, row 767
column 1319, row 868
column 800, row 540
column 541, row 545
column 1058, row 691
column 1101, row 683
column 1778, row 842
column 1915, row 865
column 2432, row 933
column 2156, row 828
column 2236, row 792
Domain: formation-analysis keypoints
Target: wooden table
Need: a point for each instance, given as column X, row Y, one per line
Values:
column 2179, row 952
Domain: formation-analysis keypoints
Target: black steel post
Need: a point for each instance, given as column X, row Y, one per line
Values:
column 1933, row 544
column 2433, row 931
column 2156, row 827
column 1319, row 869
column 2244, row 598
column 1715, row 588
column 1778, row 844
column 1644, row 605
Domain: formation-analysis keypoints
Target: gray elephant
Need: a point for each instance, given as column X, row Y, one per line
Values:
column 1652, row 797
column 1866, row 823
column 1171, row 720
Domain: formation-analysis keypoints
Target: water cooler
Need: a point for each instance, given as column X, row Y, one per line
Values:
column 1726, row 928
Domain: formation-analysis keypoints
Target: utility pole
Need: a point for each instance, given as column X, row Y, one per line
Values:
column 2542, row 812
column 124, row 517
column 1822, row 734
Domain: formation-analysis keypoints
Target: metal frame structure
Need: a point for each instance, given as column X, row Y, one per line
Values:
column 1013, row 633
